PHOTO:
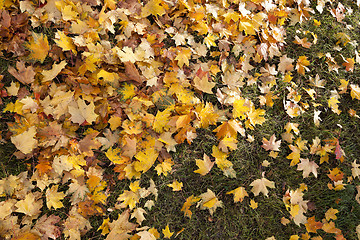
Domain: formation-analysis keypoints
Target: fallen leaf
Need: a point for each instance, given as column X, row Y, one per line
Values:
column 261, row 185
column 24, row 74
column 166, row 232
column 239, row 194
column 204, row 165
column 271, row 144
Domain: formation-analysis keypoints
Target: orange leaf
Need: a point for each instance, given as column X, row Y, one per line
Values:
column 38, row 46
column 312, row 225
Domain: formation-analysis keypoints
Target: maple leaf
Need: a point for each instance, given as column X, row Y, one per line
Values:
column 355, row 169
column 168, row 140
column 204, row 165
column 138, row 213
column 240, row 108
column 176, row 186
column 13, row 89
column 301, row 65
column 295, row 155
column 53, row 72
column 329, row 227
column 253, row 204
column 104, row 227
column 349, row 64
column 46, row 226
column 161, row 120
column 153, row 7
column 81, row 112
column 229, row 129
column 203, row 84
column 120, row 228
column 25, row 141
column 65, row 42
column 164, row 167
column 38, row 46
column 303, row 42
column 312, row 225
column 26, row 236
column 188, row 203
column 24, row 74
column 239, row 194
column 6, row 208
column 30, row 206
column 126, row 54
column 355, row 91
column 166, row 232
column 53, row 197
column 271, row 145
column 183, row 57
column 209, row 201
column 207, row 114
column 145, row 159
column 261, row 185
column 228, row 142
column 145, row 235
column 330, row 214
column 307, row 167
column 75, row 224
column 78, row 190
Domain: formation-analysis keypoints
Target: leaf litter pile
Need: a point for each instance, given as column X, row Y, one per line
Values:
column 103, row 92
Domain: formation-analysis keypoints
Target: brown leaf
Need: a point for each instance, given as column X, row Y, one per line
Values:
column 88, row 143
column 46, row 226
column 132, row 72
column 24, row 74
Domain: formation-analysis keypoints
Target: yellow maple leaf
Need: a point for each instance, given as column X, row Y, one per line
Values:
column 203, row 84
column 228, row 142
column 81, row 112
column 154, row 7
column 115, row 122
column 38, row 46
column 330, row 214
column 65, row 42
column 166, row 232
column 30, row 206
column 145, row 159
column 253, row 204
column 207, row 114
column 210, row 39
column 255, row 116
column 204, row 165
column 176, row 186
column 183, row 57
column 355, row 91
column 53, row 72
column 294, row 156
column 209, row 201
column 302, row 64
column 108, row 77
column 53, row 197
column 114, row 155
column 164, row 167
column 104, row 227
column 25, row 141
column 161, row 120
column 14, row 107
column 186, row 206
column 239, row 194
